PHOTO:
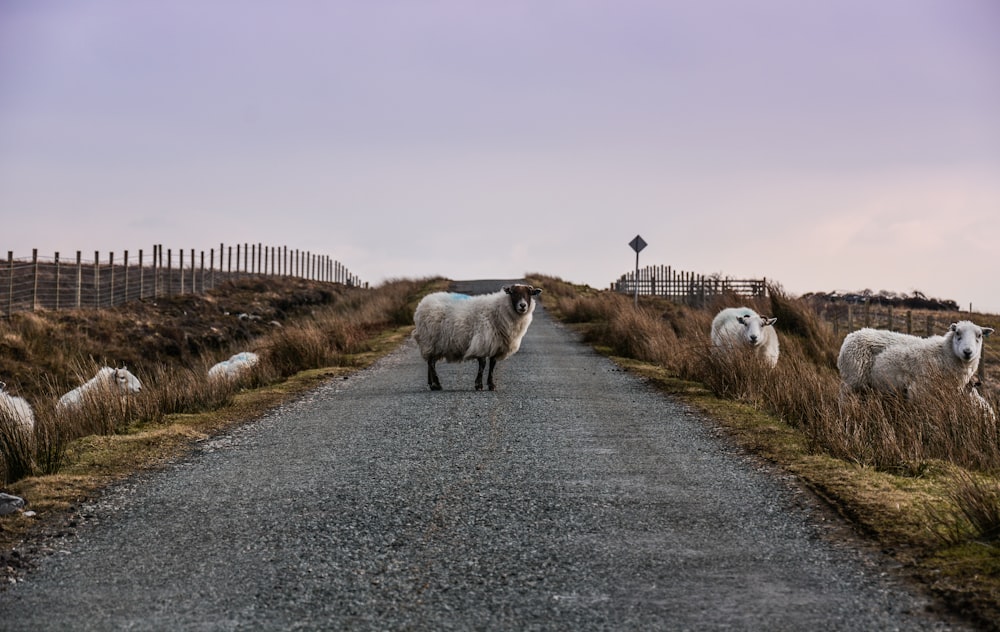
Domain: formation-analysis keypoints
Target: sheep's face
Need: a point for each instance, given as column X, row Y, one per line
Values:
column 126, row 382
column 753, row 328
column 967, row 340
column 521, row 297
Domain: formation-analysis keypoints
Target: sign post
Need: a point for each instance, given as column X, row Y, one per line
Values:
column 637, row 245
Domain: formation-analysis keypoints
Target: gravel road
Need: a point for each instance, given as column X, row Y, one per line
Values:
column 575, row 497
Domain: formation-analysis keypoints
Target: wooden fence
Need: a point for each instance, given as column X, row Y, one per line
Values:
column 28, row 284
column 686, row 287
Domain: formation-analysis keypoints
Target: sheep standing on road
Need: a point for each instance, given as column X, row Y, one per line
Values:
column 458, row 327
column 107, row 381
column 743, row 328
column 234, row 367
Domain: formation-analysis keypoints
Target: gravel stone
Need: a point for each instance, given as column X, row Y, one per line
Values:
column 575, row 497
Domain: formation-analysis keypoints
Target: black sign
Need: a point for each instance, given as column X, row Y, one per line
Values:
column 637, row 244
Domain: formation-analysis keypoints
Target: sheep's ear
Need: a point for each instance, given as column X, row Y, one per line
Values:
column 770, row 321
column 953, row 327
column 506, row 289
column 987, row 331
column 536, row 291
column 741, row 320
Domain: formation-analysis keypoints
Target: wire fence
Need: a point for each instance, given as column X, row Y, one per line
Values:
column 36, row 282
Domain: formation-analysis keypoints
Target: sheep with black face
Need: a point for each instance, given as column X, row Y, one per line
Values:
column 458, row 327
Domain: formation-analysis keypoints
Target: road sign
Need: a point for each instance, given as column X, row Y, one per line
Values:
column 637, row 245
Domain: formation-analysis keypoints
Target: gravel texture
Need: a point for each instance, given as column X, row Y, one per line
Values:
column 575, row 497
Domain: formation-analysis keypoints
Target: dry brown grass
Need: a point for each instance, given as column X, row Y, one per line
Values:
column 307, row 327
column 902, row 472
column 335, row 329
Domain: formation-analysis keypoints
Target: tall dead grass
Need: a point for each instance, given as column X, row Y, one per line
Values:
column 890, row 434
column 329, row 336
column 803, row 389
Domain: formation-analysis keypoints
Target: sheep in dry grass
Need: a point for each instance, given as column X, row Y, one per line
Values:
column 743, row 328
column 858, row 352
column 458, row 327
column 234, row 367
column 889, row 362
column 107, row 380
column 16, row 410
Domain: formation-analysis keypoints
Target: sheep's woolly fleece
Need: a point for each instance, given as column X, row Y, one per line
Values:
column 108, row 379
column 458, row 327
column 742, row 327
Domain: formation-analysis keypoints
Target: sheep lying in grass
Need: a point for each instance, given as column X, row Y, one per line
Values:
column 108, row 380
column 889, row 362
column 234, row 367
column 16, row 410
column 743, row 328
column 458, row 327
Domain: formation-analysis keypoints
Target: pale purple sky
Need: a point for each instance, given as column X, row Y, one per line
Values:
column 826, row 145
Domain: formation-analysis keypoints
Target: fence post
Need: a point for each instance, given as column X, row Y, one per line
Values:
column 246, row 258
column 170, row 271
column 194, row 277
column 202, row 271
column 111, row 266
column 10, row 283
column 230, row 269
column 141, row 274
column 57, row 280
column 79, row 279
column 34, row 283
column 97, row 279
column 125, row 263
column 157, row 262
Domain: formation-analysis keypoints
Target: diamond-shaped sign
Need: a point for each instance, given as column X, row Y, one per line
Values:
column 637, row 244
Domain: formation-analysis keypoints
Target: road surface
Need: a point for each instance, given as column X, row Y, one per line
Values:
column 575, row 497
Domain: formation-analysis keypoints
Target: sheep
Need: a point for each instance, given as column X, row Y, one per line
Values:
column 108, row 380
column 16, row 410
column 858, row 352
column 741, row 327
column 234, row 366
column 953, row 357
column 458, row 327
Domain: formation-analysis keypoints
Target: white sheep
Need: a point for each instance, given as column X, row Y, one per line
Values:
column 743, row 328
column 235, row 366
column 107, row 380
column 17, row 410
column 458, row 327
column 858, row 352
column 954, row 357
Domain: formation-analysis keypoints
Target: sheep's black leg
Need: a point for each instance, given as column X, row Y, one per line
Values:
column 479, row 375
column 432, row 376
column 489, row 380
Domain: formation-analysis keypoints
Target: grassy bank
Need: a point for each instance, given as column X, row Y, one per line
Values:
column 922, row 482
column 304, row 332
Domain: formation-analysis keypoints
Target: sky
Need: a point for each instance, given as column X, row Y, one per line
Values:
column 825, row 146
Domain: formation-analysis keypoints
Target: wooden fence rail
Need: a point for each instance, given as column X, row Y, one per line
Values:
column 28, row 284
column 686, row 287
